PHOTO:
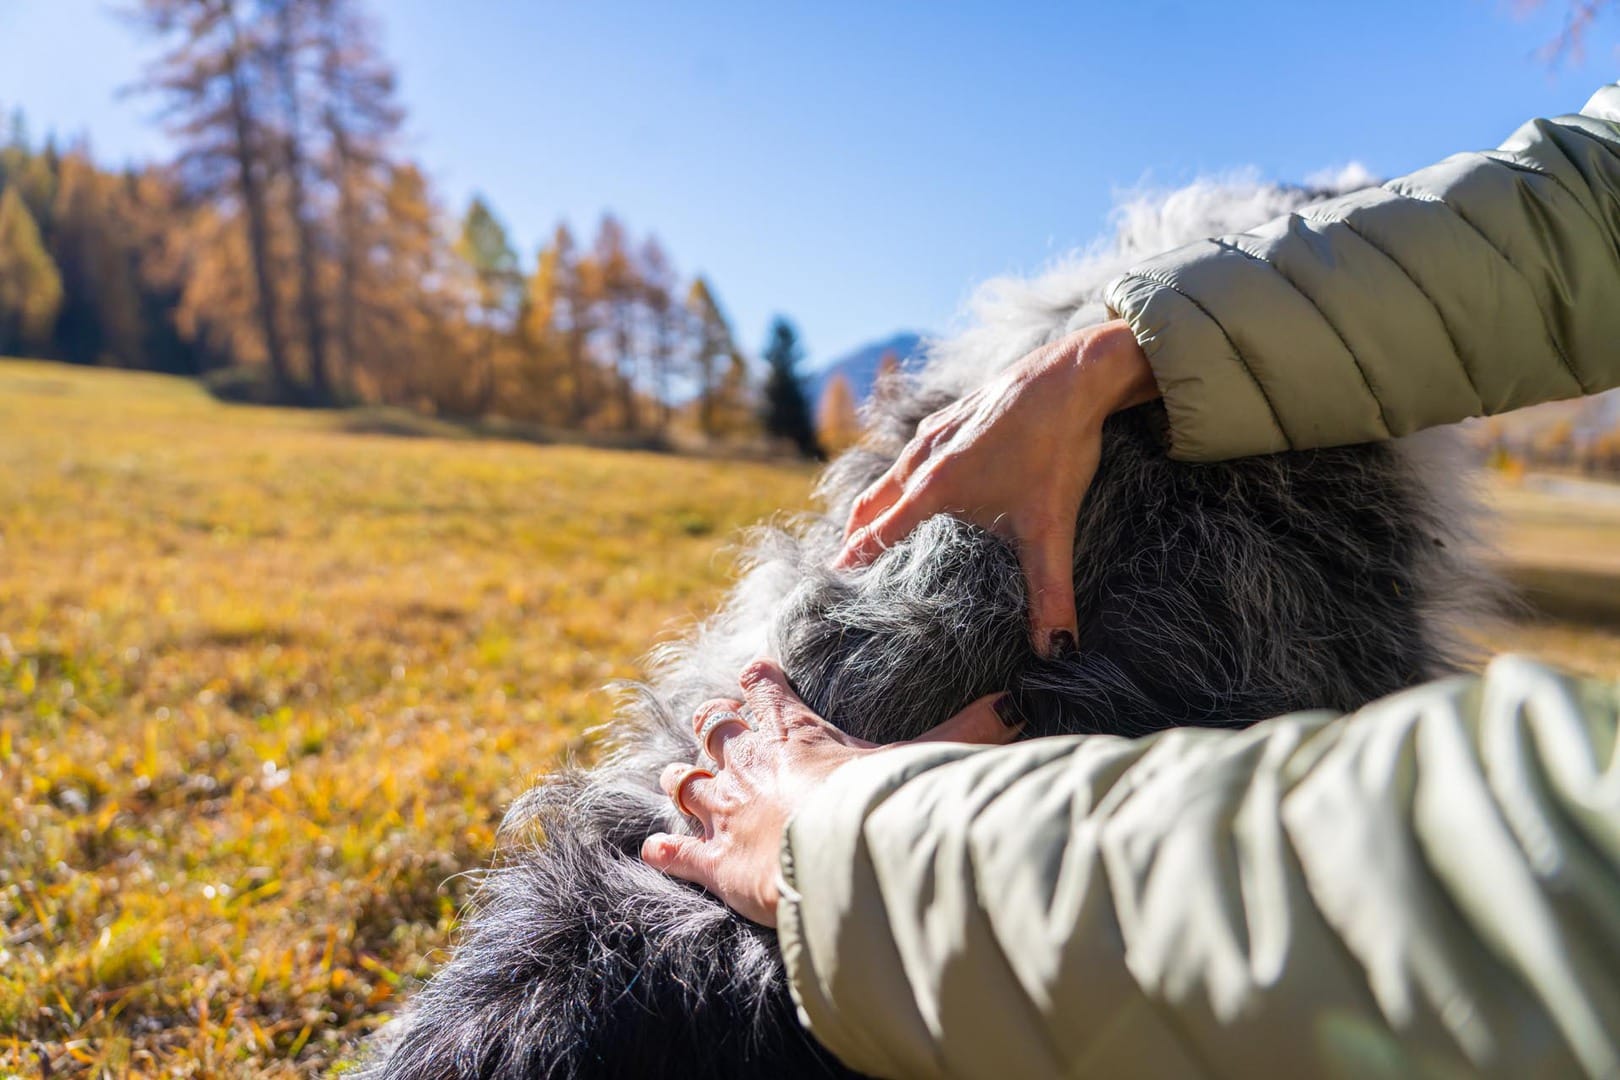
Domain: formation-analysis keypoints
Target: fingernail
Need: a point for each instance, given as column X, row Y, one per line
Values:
column 1062, row 645
column 1006, row 710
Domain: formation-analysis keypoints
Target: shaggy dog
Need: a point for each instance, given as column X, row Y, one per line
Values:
column 1208, row 595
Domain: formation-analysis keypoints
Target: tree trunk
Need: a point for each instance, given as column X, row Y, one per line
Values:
column 484, row 395
column 627, row 368
column 662, row 354
column 576, row 363
column 706, row 400
column 309, row 301
column 349, row 241
column 253, row 202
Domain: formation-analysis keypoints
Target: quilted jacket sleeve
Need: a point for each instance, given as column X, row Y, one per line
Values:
column 1482, row 284
column 1428, row 887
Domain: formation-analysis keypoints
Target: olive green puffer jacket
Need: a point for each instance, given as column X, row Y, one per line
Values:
column 1482, row 284
column 1427, row 888
column 1430, row 887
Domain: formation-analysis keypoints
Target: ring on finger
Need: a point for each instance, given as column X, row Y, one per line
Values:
column 714, row 721
column 678, row 795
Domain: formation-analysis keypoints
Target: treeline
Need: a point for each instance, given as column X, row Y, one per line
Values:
column 1554, row 437
column 291, row 254
column 87, row 265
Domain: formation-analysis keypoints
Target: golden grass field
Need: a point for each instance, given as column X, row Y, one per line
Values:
column 265, row 688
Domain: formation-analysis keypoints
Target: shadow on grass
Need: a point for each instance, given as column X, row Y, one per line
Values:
column 403, row 423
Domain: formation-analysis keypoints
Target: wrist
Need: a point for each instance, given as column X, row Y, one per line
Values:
column 1114, row 368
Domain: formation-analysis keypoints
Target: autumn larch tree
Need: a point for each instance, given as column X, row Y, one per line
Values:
column 487, row 251
column 714, row 353
column 217, row 96
column 558, row 322
column 415, row 329
column 664, row 322
column 360, row 118
column 888, row 368
column 289, row 39
column 838, row 423
column 613, row 286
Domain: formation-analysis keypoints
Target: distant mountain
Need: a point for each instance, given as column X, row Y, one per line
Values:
column 860, row 367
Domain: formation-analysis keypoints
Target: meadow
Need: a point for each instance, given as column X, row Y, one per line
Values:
column 265, row 688
column 266, row 685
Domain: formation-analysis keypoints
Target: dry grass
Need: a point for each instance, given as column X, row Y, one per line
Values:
column 1560, row 541
column 265, row 687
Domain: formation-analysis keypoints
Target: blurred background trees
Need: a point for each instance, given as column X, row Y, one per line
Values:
column 837, row 420
column 786, row 412
column 30, row 287
column 291, row 253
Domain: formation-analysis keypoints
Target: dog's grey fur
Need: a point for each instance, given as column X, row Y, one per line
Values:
column 1208, row 594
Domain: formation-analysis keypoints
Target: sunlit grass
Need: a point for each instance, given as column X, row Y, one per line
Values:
column 1561, row 544
column 265, row 688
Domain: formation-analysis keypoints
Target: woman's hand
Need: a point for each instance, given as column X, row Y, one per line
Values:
column 1014, row 457
column 763, row 775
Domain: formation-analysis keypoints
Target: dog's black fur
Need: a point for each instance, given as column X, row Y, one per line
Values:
column 1208, row 595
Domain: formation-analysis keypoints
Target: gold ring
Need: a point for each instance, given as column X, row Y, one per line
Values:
column 680, row 785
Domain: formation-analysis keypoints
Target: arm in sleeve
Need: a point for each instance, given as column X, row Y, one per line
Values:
column 1484, row 283
column 1430, row 886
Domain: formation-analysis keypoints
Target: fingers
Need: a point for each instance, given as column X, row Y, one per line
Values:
column 991, row 720
column 778, row 710
column 688, row 787
column 1047, row 558
column 716, row 723
column 879, row 501
column 873, row 501
column 894, row 526
column 684, row 857
column 766, row 688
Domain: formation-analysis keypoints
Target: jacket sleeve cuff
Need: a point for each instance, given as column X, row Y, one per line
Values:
column 1216, row 411
column 841, row 958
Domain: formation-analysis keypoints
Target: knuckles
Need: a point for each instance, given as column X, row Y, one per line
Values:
column 741, row 754
column 867, row 501
column 941, row 472
column 760, row 673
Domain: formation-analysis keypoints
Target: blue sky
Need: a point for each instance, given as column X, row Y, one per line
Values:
column 859, row 166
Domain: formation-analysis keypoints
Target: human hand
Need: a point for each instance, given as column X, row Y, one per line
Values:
column 763, row 775
column 1016, row 457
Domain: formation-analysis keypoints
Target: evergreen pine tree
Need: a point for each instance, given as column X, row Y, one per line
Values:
column 101, row 319
column 786, row 413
